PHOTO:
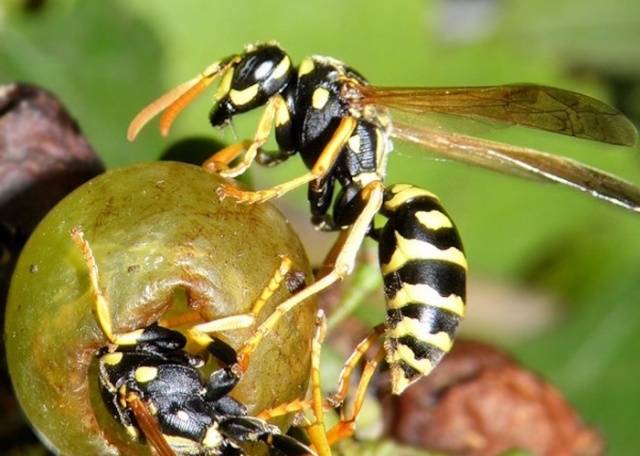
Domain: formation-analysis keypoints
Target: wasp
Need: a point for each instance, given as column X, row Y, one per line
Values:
column 153, row 386
column 342, row 127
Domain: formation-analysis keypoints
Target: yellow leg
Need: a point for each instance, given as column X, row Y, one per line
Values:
column 276, row 282
column 198, row 335
column 352, row 362
column 346, row 426
column 100, row 302
column 297, row 405
column 321, row 439
column 345, row 262
column 315, row 429
column 220, row 160
column 175, row 100
column 190, row 317
column 325, row 162
column 317, row 432
column 274, row 105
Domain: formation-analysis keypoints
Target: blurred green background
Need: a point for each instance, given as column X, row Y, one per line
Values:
column 556, row 275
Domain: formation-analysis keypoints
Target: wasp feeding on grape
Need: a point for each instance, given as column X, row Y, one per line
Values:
column 343, row 127
column 161, row 263
column 154, row 388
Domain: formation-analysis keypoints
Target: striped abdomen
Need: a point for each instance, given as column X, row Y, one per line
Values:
column 424, row 270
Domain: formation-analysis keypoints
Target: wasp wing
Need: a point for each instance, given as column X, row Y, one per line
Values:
column 149, row 426
column 545, row 108
column 522, row 161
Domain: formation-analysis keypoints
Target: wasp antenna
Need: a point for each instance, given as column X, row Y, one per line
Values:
column 157, row 106
column 182, row 100
column 175, row 100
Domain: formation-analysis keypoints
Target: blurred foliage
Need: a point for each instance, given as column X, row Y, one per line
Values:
column 108, row 59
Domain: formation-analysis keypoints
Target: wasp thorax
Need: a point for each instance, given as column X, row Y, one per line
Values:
column 257, row 75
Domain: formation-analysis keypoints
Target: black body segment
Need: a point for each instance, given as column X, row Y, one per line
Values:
column 195, row 416
column 424, row 269
column 262, row 72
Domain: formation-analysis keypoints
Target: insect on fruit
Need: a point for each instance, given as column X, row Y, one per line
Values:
column 152, row 385
column 162, row 244
column 342, row 128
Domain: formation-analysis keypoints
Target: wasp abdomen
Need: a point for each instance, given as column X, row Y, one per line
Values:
column 424, row 271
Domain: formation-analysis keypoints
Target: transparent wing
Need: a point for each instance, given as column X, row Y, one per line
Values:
column 523, row 162
column 545, row 108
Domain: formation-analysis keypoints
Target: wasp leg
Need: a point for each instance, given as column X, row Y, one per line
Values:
column 351, row 362
column 220, row 161
column 198, row 335
column 270, row 159
column 345, row 260
column 323, row 165
column 315, row 429
column 346, row 426
column 100, row 302
column 175, row 100
column 237, row 321
column 190, row 317
column 274, row 284
column 250, row 429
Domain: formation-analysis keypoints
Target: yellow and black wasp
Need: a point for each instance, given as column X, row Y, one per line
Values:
column 341, row 127
column 154, row 387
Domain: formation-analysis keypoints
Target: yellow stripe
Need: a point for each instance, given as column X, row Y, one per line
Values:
column 405, row 192
column 112, row 359
column 212, row 438
column 152, row 408
column 433, row 220
column 130, row 338
column 133, row 432
column 282, row 68
column 422, row 293
column 282, row 114
column 306, row 66
column 413, row 249
column 354, row 143
column 319, row 98
column 404, row 353
column 421, row 331
column 399, row 382
column 225, row 84
column 364, row 179
column 182, row 445
column 242, row 97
